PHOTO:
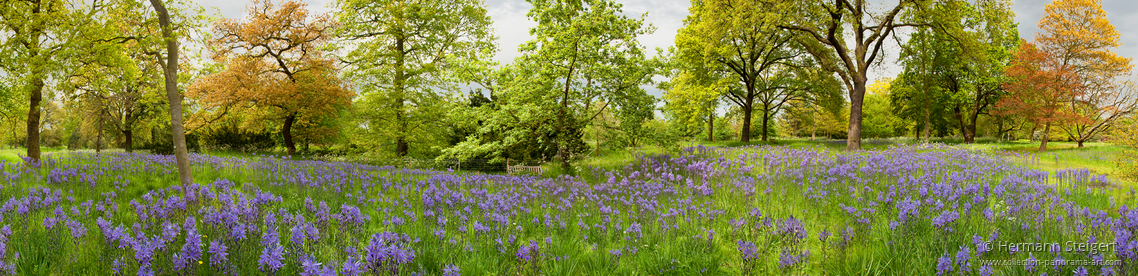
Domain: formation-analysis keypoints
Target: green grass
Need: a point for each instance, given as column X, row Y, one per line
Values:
column 684, row 250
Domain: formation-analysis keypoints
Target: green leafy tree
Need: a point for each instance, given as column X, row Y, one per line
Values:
column 692, row 104
column 955, row 64
column 11, row 106
column 741, row 41
column 829, row 26
column 37, row 36
column 406, row 55
column 879, row 117
column 584, row 53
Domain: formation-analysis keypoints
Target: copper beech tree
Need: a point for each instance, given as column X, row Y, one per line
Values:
column 276, row 69
column 1040, row 90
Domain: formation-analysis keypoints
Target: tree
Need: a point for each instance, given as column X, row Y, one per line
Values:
column 692, row 104
column 954, row 64
column 742, row 40
column 1040, row 89
column 39, row 34
column 583, row 53
column 277, row 67
column 10, row 106
column 404, row 56
column 117, row 81
column 1078, row 33
column 825, row 27
column 881, row 122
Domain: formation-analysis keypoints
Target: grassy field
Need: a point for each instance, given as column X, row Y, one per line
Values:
column 1096, row 157
column 804, row 209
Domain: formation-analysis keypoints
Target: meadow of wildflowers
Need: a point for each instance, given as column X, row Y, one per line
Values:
column 905, row 210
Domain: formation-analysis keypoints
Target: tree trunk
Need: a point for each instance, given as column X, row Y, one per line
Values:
column 857, row 97
column 34, row 117
column 746, row 136
column 562, row 125
column 928, row 126
column 15, row 141
column 711, row 127
column 99, row 138
column 814, row 124
column 290, row 147
column 170, row 70
column 964, row 127
column 129, row 143
column 766, row 119
column 1046, row 132
column 401, row 146
column 1080, row 143
column 1000, row 129
column 1031, row 135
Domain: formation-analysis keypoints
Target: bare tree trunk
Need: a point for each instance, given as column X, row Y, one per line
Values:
column 766, row 119
column 746, row 136
column 1046, row 133
column 129, row 144
column 170, row 70
column 290, row 147
column 34, row 118
column 1031, row 135
column 814, row 124
column 99, row 139
column 857, row 97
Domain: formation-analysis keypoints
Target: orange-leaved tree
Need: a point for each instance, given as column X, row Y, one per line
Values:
column 1040, row 89
column 277, row 69
column 1079, row 35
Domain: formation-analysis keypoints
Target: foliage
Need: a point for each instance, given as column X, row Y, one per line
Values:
column 742, row 52
column 277, row 70
column 229, row 136
column 1126, row 135
column 1079, row 34
column 583, row 53
column 36, row 38
column 406, row 59
column 825, row 27
column 1040, row 89
column 953, row 65
column 164, row 144
column 879, row 117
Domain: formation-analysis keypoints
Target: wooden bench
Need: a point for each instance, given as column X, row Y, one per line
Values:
column 534, row 169
column 510, row 169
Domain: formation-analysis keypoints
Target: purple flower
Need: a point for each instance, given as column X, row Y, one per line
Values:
column 944, row 265
column 1081, row 271
column 748, row 250
column 528, row 252
column 451, row 270
column 986, row 270
column 309, row 266
column 219, row 253
column 192, row 249
column 352, row 267
column 792, row 228
column 272, row 254
column 1030, row 262
column 962, row 259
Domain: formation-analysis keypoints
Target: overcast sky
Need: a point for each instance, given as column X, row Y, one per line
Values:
column 512, row 26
